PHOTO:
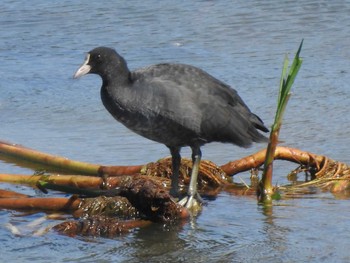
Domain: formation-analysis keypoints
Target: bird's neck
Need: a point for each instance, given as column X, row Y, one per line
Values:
column 116, row 88
column 113, row 98
column 122, row 79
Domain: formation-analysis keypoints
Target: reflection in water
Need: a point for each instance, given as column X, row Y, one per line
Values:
column 155, row 241
column 276, row 236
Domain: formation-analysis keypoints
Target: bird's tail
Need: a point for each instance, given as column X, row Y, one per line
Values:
column 258, row 124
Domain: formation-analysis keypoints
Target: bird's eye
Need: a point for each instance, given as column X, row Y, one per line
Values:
column 99, row 58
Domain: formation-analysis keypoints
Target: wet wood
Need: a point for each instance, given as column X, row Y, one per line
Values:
column 42, row 204
column 69, row 180
column 119, row 170
column 143, row 196
column 11, row 194
column 58, row 163
column 282, row 153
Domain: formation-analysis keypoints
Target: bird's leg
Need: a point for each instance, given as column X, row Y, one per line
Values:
column 193, row 200
column 176, row 161
column 196, row 159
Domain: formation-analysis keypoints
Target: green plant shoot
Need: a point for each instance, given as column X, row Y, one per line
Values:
column 265, row 191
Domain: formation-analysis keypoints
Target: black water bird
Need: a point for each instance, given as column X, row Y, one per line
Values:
column 175, row 104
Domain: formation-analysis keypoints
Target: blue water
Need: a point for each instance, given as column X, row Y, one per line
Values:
column 240, row 42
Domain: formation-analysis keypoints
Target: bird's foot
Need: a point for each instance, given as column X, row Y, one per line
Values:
column 193, row 203
column 174, row 192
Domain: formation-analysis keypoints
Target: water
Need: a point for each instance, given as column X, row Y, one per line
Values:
column 241, row 42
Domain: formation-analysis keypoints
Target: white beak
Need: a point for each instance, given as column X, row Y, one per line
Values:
column 84, row 69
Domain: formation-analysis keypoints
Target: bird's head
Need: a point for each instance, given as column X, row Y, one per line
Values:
column 102, row 61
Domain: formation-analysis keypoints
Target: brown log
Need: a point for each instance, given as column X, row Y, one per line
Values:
column 119, row 170
column 11, row 194
column 47, row 204
column 69, row 180
column 58, row 163
column 283, row 153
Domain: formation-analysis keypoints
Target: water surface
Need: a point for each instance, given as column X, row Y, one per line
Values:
column 242, row 43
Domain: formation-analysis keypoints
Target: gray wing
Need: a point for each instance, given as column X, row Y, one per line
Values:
column 194, row 99
column 165, row 99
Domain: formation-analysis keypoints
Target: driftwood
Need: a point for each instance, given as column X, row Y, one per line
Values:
column 282, row 153
column 18, row 154
column 143, row 190
column 40, row 204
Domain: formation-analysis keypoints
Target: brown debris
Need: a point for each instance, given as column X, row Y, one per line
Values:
column 147, row 195
column 99, row 226
column 143, row 197
column 150, row 198
column 117, row 206
column 210, row 175
column 326, row 174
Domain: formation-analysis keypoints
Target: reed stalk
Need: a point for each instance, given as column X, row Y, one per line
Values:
column 266, row 190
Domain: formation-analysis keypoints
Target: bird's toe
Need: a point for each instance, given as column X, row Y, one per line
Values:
column 193, row 203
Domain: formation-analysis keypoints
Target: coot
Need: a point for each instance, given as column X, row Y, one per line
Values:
column 174, row 104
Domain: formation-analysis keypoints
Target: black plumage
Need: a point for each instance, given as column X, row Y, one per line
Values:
column 174, row 104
